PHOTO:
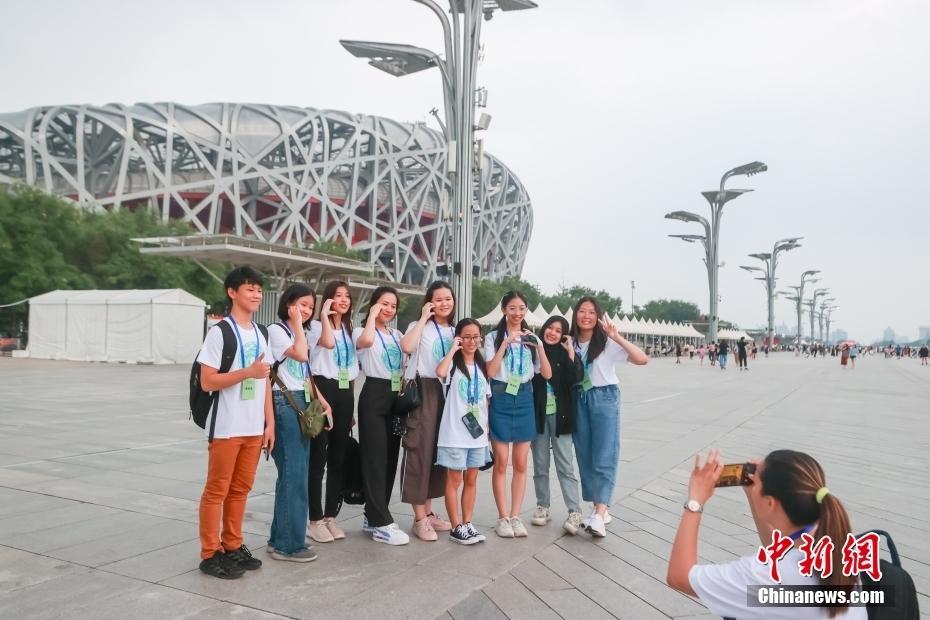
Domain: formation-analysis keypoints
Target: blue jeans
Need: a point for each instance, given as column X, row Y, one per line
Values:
column 723, row 361
column 562, row 450
column 597, row 441
column 291, row 456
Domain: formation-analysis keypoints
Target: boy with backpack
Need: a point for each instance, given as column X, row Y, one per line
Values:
column 233, row 366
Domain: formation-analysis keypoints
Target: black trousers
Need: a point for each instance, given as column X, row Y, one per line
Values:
column 327, row 451
column 380, row 449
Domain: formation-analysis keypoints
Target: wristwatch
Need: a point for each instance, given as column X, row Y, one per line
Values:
column 693, row 505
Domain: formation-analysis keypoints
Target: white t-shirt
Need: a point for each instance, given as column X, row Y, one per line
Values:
column 722, row 587
column 452, row 431
column 327, row 362
column 517, row 357
column 236, row 417
column 602, row 369
column 376, row 360
column 291, row 372
column 430, row 349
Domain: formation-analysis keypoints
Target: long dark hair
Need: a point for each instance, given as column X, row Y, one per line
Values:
column 292, row 294
column 378, row 293
column 330, row 292
column 599, row 337
column 435, row 286
column 794, row 478
column 458, row 359
column 501, row 328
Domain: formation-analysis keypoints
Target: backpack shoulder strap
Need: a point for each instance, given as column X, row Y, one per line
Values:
column 449, row 385
column 264, row 330
column 229, row 346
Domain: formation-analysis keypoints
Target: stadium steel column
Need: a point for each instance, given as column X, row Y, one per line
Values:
column 711, row 238
column 462, row 44
column 770, row 260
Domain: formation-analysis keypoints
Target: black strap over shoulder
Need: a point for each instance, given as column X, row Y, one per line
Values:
column 226, row 362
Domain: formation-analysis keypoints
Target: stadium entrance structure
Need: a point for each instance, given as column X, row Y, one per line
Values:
column 286, row 175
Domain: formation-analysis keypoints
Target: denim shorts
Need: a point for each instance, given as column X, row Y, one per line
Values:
column 461, row 459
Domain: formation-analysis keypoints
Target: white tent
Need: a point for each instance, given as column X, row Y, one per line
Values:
column 150, row 326
column 492, row 318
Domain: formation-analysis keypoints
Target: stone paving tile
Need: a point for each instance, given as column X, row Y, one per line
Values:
column 131, row 477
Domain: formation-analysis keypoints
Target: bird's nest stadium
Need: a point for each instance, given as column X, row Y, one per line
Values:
column 289, row 176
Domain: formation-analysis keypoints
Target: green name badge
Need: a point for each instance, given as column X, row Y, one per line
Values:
column 395, row 381
column 308, row 391
column 473, row 411
column 343, row 378
column 513, row 385
column 586, row 384
column 550, row 404
column 247, row 391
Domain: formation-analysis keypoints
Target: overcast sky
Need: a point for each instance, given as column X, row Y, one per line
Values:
column 611, row 112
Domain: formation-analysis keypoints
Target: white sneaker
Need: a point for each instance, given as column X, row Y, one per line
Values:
column 572, row 523
column 474, row 532
column 540, row 516
column 607, row 518
column 389, row 535
column 504, row 529
column 596, row 526
column 317, row 531
column 365, row 527
column 519, row 530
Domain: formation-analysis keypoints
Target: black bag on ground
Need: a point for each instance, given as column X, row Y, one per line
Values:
column 352, row 490
column 202, row 402
column 898, row 582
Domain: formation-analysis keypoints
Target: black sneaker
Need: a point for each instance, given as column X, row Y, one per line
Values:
column 462, row 536
column 243, row 558
column 219, row 565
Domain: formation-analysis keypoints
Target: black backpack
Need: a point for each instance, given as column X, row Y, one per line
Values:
column 203, row 403
column 898, row 583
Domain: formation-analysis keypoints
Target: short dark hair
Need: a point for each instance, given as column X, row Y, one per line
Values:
column 292, row 294
column 242, row 275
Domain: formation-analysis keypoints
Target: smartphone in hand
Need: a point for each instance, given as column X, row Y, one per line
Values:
column 736, row 475
column 530, row 340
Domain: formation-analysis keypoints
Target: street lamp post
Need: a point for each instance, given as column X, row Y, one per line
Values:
column 461, row 38
column 770, row 261
column 820, row 292
column 824, row 303
column 800, row 300
column 829, row 313
column 711, row 238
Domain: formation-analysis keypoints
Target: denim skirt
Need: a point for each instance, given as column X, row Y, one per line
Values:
column 512, row 417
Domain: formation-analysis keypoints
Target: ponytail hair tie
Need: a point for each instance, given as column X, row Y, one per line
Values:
column 822, row 492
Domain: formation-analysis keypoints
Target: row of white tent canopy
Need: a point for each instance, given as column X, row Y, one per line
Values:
column 625, row 324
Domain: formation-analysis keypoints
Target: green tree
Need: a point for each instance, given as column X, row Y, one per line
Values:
column 567, row 296
column 673, row 310
column 486, row 294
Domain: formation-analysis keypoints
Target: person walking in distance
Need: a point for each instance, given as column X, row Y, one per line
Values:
column 923, row 353
column 741, row 353
column 723, row 349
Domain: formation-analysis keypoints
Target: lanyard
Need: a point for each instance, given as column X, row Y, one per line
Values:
column 804, row 530
column 346, row 343
column 387, row 353
column 473, row 386
column 510, row 361
column 439, row 334
column 290, row 335
column 258, row 345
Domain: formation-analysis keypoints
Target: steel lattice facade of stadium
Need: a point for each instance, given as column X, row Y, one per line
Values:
column 282, row 174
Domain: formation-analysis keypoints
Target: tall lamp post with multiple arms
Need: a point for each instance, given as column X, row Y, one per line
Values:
column 799, row 300
column 770, row 262
column 711, row 238
column 829, row 313
column 820, row 292
column 461, row 38
column 824, row 303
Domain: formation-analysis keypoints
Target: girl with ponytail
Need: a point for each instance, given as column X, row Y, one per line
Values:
column 788, row 493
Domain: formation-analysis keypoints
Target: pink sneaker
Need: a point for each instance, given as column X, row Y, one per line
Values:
column 423, row 530
column 438, row 524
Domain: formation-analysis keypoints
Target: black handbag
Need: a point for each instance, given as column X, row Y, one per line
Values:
column 408, row 398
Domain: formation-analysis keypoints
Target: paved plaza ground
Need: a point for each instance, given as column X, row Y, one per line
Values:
column 101, row 473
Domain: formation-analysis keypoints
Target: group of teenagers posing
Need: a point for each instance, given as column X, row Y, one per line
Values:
column 483, row 400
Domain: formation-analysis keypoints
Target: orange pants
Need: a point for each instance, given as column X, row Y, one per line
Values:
column 230, row 474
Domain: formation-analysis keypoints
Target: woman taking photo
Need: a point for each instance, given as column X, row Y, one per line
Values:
column 382, row 362
column 335, row 367
column 288, row 344
column 463, row 432
column 597, row 430
column 512, row 364
column 788, row 493
column 554, row 402
column 428, row 340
